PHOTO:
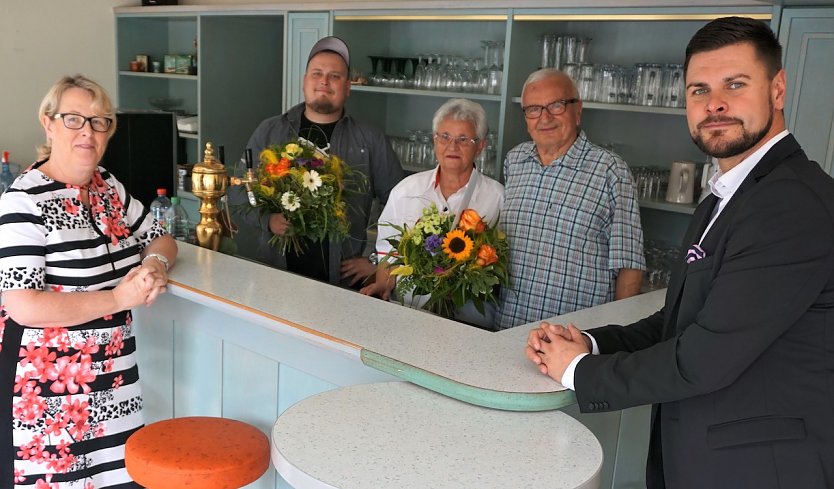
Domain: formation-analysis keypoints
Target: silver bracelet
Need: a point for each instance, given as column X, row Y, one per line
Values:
column 160, row 257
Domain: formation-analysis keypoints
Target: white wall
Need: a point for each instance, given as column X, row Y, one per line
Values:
column 40, row 41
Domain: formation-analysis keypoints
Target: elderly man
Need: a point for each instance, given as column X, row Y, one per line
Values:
column 322, row 119
column 570, row 212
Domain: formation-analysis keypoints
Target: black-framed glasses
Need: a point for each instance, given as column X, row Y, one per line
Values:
column 446, row 139
column 77, row 121
column 555, row 108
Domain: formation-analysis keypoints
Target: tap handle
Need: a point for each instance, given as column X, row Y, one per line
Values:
column 221, row 154
column 247, row 156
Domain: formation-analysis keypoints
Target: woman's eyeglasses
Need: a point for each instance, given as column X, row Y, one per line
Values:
column 446, row 139
column 77, row 121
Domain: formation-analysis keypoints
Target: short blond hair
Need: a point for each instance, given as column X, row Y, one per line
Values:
column 49, row 105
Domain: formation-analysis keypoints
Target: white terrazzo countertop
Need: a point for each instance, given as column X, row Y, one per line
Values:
column 457, row 354
column 395, row 434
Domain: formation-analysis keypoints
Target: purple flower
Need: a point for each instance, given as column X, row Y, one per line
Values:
column 315, row 163
column 433, row 244
column 439, row 270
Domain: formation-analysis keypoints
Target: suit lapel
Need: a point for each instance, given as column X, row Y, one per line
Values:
column 700, row 219
column 777, row 154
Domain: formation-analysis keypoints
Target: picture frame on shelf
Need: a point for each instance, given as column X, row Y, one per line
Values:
column 142, row 62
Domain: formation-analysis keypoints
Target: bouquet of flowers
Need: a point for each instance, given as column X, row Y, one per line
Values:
column 305, row 184
column 451, row 264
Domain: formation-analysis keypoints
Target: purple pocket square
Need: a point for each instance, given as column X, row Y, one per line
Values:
column 694, row 253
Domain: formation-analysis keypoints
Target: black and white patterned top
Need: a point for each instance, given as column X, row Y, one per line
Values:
column 69, row 395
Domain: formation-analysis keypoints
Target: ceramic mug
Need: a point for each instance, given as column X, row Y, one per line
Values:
column 681, row 183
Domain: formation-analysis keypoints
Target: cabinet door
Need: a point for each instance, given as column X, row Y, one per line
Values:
column 808, row 39
column 304, row 28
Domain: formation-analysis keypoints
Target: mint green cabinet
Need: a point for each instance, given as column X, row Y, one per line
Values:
column 238, row 80
column 303, row 30
column 808, row 39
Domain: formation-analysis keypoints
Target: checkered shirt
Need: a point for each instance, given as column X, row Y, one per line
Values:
column 571, row 225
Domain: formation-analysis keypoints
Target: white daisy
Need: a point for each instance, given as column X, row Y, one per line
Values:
column 290, row 201
column 312, row 180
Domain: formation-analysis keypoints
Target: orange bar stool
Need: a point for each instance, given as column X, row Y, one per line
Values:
column 197, row 452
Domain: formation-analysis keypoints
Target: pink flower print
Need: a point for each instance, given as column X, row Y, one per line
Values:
column 89, row 485
column 98, row 181
column 118, row 381
column 39, row 357
column 107, row 365
column 57, row 288
column 70, row 207
column 116, row 344
column 30, row 408
column 50, row 334
column 54, row 426
column 129, row 319
column 63, row 448
column 100, row 430
column 78, row 412
column 19, row 476
column 23, row 384
column 107, row 317
column 89, row 347
column 70, row 374
column 45, row 483
column 60, row 465
column 33, row 450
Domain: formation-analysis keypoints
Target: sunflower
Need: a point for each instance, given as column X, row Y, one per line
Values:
column 457, row 245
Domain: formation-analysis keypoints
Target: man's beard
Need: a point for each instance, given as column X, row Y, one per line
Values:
column 323, row 106
column 731, row 148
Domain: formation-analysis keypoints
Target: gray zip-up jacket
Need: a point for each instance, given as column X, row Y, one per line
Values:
column 364, row 148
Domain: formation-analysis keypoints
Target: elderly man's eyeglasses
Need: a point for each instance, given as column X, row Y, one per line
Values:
column 446, row 139
column 555, row 108
column 77, row 121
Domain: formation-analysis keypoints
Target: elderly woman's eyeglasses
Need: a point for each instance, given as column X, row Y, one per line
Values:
column 555, row 108
column 77, row 121
column 446, row 139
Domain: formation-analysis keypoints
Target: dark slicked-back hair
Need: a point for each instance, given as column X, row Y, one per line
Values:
column 728, row 31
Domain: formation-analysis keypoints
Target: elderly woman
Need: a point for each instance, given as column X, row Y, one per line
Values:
column 460, row 129
column 76, row 253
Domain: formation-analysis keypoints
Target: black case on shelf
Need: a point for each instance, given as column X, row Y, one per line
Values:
column 146, row 3
column 142, row 154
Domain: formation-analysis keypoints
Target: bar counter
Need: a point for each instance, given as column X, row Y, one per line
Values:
column 237, row 339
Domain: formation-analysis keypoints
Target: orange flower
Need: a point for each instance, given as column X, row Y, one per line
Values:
column 486, row 255
column 471, row 221
column 278, row 169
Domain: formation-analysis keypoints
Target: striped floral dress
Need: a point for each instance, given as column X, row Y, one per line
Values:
column 69, row 395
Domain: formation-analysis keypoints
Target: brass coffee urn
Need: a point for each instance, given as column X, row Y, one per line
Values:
column 209, row 181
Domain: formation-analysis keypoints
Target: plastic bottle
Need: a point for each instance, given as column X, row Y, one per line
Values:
column 6, row 177
column 159, row 205
column 177, row 220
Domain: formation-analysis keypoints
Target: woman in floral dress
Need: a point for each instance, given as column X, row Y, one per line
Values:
column 76, row 253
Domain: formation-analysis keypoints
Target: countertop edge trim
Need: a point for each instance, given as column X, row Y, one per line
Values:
column 194, row 292
column 505, row 401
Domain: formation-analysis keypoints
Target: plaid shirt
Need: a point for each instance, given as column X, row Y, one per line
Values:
column 571, row 225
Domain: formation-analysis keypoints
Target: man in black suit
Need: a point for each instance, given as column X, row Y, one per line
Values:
column 739, row 363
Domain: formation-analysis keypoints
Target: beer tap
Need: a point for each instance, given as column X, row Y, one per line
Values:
column 248, row 178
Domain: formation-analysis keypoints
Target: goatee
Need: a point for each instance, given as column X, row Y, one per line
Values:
column 728, row 149
column 323, row 106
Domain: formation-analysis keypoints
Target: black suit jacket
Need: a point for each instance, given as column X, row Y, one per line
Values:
column 739, row 363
